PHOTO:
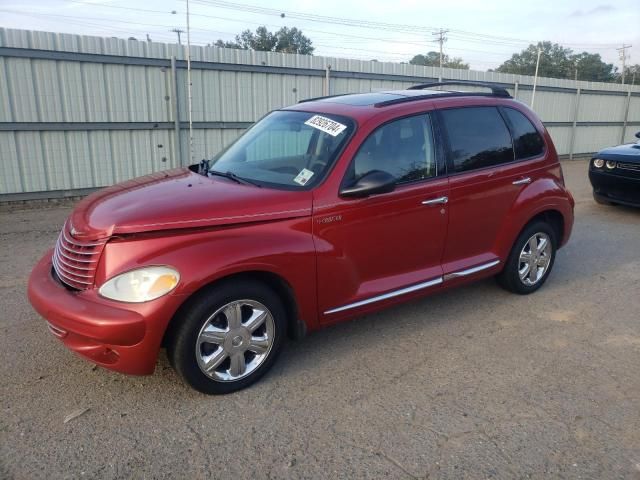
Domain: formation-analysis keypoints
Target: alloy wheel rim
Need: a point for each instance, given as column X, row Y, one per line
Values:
column 535, row 258
column 235, row 340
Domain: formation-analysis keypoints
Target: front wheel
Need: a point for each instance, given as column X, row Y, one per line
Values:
column 531, row 259
column 228, row 337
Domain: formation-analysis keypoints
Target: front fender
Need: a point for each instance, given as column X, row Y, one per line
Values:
column 283, row 248
column 542, row 195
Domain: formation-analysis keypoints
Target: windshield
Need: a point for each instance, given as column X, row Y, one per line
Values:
column 286, row 148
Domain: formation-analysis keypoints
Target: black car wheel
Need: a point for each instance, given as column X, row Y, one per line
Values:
column 531, row 259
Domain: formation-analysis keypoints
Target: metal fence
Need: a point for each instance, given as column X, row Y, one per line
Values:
column 80, row 112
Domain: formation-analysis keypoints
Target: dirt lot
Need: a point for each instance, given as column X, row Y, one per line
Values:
column 476, row 383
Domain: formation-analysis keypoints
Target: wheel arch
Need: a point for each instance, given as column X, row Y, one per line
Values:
column 549, row 214
column 554, row 218
column 296, row 327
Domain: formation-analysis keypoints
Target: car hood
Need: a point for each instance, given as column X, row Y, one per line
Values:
column 622, row 153
column 180, row 198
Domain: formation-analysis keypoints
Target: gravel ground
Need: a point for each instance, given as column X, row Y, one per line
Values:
column 474, row 383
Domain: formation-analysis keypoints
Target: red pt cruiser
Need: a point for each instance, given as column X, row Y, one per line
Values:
column 320, row 212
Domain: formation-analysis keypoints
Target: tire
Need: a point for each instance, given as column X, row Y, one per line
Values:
column 511, row 278
column 234, row 331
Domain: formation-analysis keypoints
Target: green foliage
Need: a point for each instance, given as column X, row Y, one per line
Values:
column 591, row 67
column 559, row 62
column 432, row 59
column 287, row 40
column 631, row 75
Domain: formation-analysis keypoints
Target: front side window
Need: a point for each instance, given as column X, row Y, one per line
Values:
column 527, row 142
column 403, row 148
column 286, row 149
column 478, row 138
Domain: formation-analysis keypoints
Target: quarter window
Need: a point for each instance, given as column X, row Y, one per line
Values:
column 478, row 137
column 527, row 142
column 402, row 148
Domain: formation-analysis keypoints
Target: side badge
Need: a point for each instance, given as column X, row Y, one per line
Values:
column 331, row 219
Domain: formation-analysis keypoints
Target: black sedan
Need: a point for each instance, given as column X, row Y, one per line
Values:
column 615, row 175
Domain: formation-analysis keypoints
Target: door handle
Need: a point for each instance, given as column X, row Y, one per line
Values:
column 522, row 181
column 435, row 201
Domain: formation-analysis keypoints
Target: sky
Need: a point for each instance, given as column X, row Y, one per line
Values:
column 483, row 33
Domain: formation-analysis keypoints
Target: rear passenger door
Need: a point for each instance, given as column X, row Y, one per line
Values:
column 487, row 170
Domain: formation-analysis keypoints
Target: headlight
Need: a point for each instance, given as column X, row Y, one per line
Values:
column 140, row 285
column 598, row 163
column 611, row 165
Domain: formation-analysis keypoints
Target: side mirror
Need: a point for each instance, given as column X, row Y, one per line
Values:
column 372, row 183
column 637, row 134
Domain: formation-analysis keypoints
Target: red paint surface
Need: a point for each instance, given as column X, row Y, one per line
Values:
column 329, row 250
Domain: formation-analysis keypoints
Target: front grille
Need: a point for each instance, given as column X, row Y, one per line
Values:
column 75, row 262
column 629, row 166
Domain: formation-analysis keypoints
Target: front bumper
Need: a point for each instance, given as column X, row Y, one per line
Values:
column 119, row 336
column 615, row 187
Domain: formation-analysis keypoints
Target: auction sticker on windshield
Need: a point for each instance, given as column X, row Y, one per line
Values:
column 303, row 177
column 325, row 124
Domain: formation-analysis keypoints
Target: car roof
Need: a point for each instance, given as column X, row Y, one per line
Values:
column 367, row 105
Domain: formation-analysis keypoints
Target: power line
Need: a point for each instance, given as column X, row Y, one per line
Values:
column 82, row 20
column 464, row 37
column 362, row 23
column 460, row 35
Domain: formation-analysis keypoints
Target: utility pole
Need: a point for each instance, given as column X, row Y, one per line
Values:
column 440, row 39
column 535, row 78
column 178, row 31
column 622, row 51
column 189, row 85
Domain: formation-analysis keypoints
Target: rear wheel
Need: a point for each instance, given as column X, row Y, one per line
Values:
column 531, row 259
column 229, row 337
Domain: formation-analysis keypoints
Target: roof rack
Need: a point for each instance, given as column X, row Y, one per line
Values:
column 496, row 90
column 322, row 98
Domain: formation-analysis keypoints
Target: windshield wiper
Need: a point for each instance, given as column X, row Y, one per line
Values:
column 234, row 177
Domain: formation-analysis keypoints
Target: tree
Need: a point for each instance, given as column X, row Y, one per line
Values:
column 287, row 40
column 432, row 59
column 590, row 67
column 631, row 75
column 559, row 62
column 554, row 61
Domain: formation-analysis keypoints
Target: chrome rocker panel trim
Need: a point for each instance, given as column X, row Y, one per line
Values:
column 471, row 271
column 413, row 288
column 395, row 293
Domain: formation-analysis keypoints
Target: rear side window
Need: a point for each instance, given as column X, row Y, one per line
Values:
column 478, row 138
column 527, row 142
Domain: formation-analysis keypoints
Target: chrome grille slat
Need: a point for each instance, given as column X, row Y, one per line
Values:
column 62, row 274
column 75, row 252
column 76, row 262
column 67, row 269
column 81, row 260
column 80, row 244
column 62, row 254
column 629, row 166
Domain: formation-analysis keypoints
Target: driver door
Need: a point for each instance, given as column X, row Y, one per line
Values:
column 373, row 249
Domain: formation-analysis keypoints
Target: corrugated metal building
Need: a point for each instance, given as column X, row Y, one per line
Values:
column 79, row 112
